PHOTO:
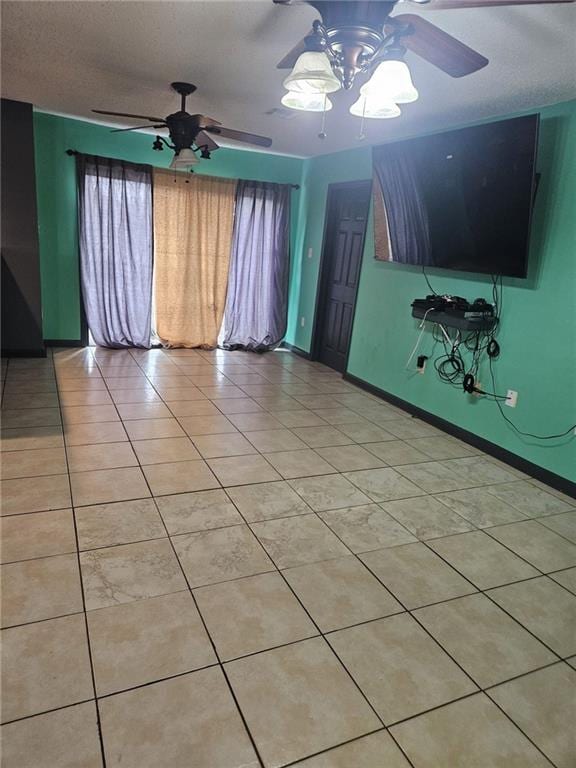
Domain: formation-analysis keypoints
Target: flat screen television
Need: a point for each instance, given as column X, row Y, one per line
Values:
column 458, row 200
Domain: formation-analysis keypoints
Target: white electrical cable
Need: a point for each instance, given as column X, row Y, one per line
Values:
column 447, row 335
column 421, row 326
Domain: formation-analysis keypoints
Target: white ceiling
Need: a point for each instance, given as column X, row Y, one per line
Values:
column 70, row 57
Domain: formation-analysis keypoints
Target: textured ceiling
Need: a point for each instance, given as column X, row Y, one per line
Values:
column 69, row 57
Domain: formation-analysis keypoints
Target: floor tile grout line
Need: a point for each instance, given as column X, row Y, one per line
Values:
column 47, row 712
column 322, row 635
column 286, row 516
column 437, row 642
column 345, row 508
column 41, row 621
column 175, row 554
column 257, row 450
column 311, row 619
column 364, row 564
column 355, row 442
column 478, row 690
column 477, row 590
column 209, row 636
column 522, row 731
column 506, row 546
column 338, row 746
column 401, row 748
column 481, row 693
column 306, row 477
column 415, row 618
column 139, row 464
column 83, row 597
column 540, row 668
column 545, row 517
column 214, row 647
column 36, row 557
column 166, row 678
column 497, row 605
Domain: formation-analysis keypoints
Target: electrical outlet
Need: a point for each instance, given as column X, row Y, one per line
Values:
column 309, row 253
column 302, row 322
column 511, row 398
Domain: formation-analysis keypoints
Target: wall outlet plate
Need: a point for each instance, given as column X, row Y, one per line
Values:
column 302, row 322
column 511, row 398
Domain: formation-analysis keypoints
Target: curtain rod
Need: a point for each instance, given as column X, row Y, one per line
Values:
column 72, row 152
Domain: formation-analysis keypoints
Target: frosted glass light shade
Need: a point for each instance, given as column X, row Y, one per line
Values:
column 307, row 102
column 312, row 73
column 373, row 107
column 392, row 81
column 184, row 159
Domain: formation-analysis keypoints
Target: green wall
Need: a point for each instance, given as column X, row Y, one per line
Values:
column 538, row 330
column 56, row 192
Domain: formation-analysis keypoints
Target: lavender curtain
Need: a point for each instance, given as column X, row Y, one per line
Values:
column 257, row 298
column 116, row 249
column 404, row 204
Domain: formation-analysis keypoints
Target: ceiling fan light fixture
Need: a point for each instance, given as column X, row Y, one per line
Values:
column 312, row 74
column 374, row 106
column 307, row 102
column 183, row 159
column 391, row 81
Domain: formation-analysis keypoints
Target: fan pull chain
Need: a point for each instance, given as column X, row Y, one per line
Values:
column 322, row 134
column 361, row 136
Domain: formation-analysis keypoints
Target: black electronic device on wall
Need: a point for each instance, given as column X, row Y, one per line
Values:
column 456, row 312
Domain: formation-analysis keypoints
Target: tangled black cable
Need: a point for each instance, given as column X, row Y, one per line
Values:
column 428, row 281
column 452, row 368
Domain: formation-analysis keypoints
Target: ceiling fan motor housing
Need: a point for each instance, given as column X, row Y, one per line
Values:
column 354, row 30
column 183, row 129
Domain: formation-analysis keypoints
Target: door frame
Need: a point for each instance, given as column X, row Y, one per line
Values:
column 323, row 272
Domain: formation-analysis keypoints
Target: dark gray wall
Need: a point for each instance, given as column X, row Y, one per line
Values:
column 21, row 298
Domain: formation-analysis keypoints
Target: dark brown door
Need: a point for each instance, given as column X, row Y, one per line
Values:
column 346, row 217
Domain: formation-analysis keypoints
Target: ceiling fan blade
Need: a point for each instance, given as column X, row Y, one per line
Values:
column 204, row 120
column 203, row 140
column 438, row 47
column 290, row 59
column 228, row 133
column 127, row 114
column 449, row 4
column 137, row 128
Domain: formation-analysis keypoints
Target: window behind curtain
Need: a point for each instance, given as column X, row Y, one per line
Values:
column 257, row 300
column 115, row 234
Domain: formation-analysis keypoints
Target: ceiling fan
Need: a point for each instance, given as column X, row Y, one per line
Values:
column 362, row 37
column 188, row 133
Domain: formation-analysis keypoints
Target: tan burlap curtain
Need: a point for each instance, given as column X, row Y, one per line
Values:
column 193, row 222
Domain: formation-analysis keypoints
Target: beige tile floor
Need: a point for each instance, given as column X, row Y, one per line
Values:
column 226, row 560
